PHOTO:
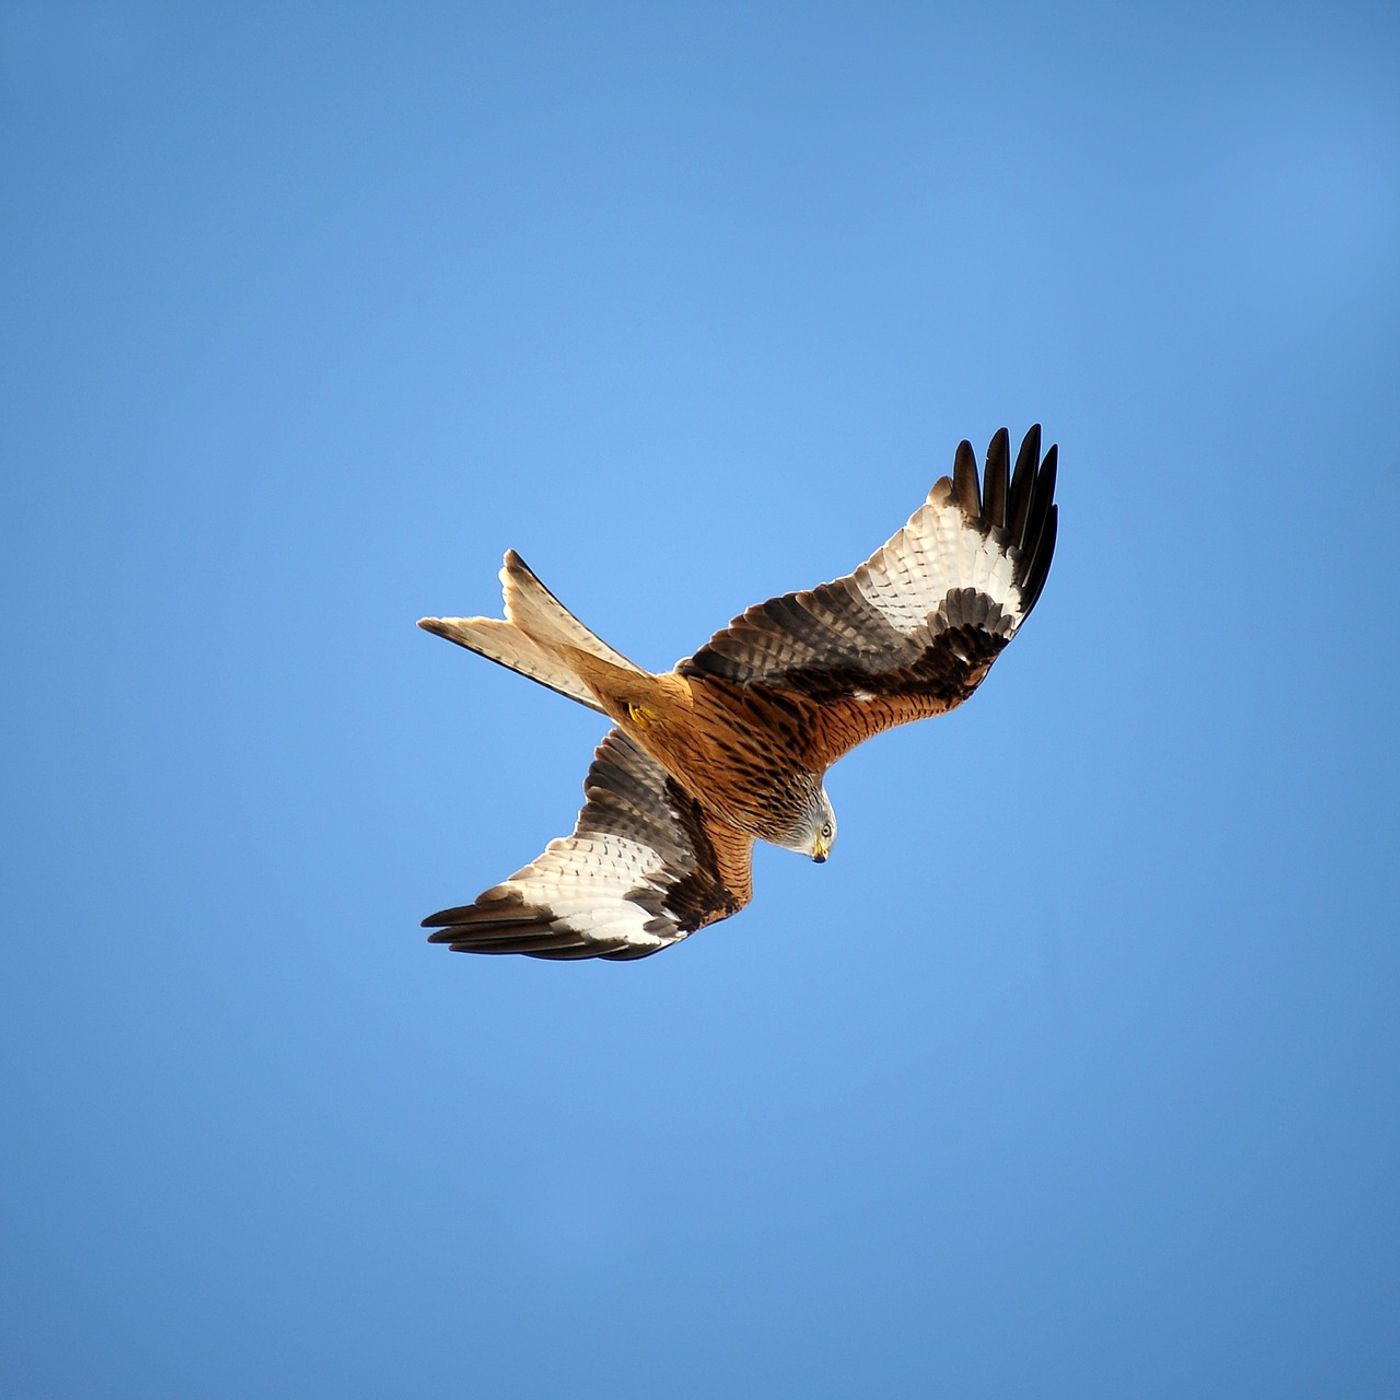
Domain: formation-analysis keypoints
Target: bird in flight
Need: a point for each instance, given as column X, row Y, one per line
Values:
column 732, row 745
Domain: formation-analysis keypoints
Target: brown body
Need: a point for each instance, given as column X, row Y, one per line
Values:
column 719, row 743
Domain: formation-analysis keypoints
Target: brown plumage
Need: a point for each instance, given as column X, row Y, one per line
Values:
column 733, row 744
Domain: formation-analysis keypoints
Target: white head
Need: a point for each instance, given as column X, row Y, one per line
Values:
column 814, row 833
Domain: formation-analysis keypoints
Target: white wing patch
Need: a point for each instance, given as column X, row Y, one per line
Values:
column 584, row 881
column 638, row 873
column 967, row 558
column 938, row 550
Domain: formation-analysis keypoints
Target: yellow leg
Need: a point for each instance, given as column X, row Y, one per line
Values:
column 639, row 715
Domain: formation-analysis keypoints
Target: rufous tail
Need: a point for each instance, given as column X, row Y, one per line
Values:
column 539, row 637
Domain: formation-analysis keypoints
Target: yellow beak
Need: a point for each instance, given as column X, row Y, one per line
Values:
column 819, row 850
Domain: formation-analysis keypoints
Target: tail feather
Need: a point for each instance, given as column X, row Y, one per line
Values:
column 507, row 645
column 540, row 638
column 536, row 611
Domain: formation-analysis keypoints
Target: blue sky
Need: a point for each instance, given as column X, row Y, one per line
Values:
column 1071, row 1074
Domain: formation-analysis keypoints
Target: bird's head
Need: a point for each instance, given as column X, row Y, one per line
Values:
column 813, row 824
column 821, row 830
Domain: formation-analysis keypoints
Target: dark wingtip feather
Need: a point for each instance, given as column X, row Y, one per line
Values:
column 1038, row 522
column 486, row 922
column 1039, row 570
column 444, row 917
column 1030, row 447
column 526, row 929
column 1022, row 483
column 965, row 489
column 994, row 484
column 532, row 944
column 1042, row 495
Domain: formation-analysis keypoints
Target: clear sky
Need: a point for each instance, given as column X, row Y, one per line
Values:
column 1073, row 1073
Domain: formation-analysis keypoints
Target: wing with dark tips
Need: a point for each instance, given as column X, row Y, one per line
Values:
column 914, row 630
column 645, row 867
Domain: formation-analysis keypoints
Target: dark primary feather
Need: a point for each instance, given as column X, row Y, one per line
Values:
column 994, row 485
column 965, row 489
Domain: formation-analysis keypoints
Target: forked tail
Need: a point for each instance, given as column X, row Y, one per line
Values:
column 536, row 637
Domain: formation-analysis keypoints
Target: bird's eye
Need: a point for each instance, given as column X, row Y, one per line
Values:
column 826, row 831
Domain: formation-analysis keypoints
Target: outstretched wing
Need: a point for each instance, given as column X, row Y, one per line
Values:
column 913, row 631
column 646, row 865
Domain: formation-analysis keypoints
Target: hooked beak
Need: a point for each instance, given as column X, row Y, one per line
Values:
column 819, row 851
